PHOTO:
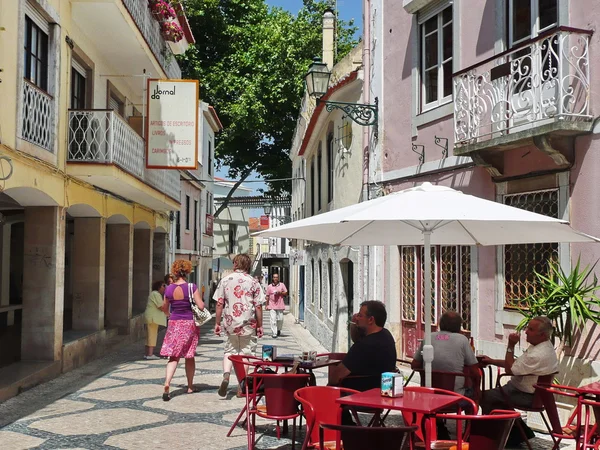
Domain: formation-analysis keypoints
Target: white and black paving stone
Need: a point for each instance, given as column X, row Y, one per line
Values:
column 115, row 403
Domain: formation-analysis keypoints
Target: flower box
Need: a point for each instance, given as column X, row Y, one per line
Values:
column 171, row 31
column 161, row 10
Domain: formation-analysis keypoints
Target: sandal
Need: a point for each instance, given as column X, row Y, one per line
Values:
column 193, row 390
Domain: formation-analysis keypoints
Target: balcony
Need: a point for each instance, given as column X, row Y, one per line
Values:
column 130, row 51
column 37, row 124
column 102, row 146
column 150, row 29
column 536, row 93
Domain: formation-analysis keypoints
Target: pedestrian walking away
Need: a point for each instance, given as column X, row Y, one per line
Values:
column 182, row 334
column 154, row 316
column 276, row 291
column 239, row 300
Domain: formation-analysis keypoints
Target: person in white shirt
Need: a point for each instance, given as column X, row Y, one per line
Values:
column 539, row 359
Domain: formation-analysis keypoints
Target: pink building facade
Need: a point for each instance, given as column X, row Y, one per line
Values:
column 499, row 99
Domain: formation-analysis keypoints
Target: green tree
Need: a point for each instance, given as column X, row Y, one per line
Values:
column 250, row 59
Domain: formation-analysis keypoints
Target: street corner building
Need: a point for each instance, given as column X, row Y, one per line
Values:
column 84, row 224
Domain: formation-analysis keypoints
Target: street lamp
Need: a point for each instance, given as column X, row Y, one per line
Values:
column 317, row 82
column 267, row 208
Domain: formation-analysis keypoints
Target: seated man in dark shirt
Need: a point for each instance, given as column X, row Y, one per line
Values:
column 371, row 355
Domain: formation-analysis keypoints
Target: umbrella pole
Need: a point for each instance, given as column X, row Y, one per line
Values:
column 427, row 347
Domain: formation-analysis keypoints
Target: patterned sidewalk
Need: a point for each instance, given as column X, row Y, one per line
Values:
column 115, row 403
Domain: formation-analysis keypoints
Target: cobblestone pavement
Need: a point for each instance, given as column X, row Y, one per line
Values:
column 115, row 402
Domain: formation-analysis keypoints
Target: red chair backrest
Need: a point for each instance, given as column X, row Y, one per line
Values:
column 241, row 363
column 488, row 432
column 279, row 392
column 544, row 394
column 320, row 406
column 538, row 395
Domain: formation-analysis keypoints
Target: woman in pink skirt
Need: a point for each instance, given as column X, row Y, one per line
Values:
column 182, row 334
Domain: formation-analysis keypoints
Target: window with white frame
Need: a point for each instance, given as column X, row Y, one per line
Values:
column 529, row 18
column 436, row 39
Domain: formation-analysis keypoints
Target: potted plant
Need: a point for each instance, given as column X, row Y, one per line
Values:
column 171, row 31
column 161, row 10
column 568, row 300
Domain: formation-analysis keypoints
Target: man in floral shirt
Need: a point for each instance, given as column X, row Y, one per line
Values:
column 239, row 300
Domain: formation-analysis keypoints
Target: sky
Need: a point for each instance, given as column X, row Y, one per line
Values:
column 347, row 9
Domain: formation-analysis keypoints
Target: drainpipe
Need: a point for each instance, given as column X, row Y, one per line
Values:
column 366, row 60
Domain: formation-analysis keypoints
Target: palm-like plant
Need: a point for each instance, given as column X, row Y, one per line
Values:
column 568, row 300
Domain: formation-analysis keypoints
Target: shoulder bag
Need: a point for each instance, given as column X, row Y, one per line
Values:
column 201, row 316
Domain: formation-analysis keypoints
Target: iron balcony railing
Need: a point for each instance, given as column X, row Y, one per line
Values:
column 102, row 136
column 37, row 125
column 150, row 29
column 544, row 80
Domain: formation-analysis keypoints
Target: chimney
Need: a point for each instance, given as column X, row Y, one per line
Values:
column 328, row 38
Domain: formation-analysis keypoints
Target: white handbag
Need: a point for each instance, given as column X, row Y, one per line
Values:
column 201, row 316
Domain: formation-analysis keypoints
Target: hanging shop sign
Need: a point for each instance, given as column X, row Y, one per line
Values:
column 172, row 124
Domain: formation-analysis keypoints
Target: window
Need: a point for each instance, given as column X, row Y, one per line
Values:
column 314, row 279
column 330, row 285
column 320, row 285
column 178, row 230
column 312, row 188
column 528, row 18
column 320, row 176
column 330, row 167
column 187, row 212
column 78, row 86
column 450, row 282
column 195, row 225
column 520, row 261
column 436, row 58
column 36, row 54
column 210, row 158
column 232, row 238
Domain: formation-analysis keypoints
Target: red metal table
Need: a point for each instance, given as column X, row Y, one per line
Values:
column 424, row 403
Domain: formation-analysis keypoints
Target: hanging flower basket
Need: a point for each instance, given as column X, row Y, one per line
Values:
column 161, row 10
column 171, row 31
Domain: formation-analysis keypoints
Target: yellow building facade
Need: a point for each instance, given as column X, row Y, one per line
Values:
column 84, row 225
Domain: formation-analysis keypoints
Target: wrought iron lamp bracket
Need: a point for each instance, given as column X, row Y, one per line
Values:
column 415, row 148
column 360, row 113
column 443, row 146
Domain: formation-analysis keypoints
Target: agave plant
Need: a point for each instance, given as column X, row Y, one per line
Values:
column 568, row 300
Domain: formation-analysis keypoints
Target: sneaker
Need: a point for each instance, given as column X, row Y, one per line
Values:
column 223, row 388
column 274, row 336
column 151, row 357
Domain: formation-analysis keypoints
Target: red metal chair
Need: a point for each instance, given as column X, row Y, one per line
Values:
column 447, row 380
column 242, row 364
column 537, row 404
column 486, row 432
column 368, row 438
column 319, row 406
column 280, row 404
column 572, row 429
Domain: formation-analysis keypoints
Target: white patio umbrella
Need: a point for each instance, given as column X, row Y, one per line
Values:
column 429, row 215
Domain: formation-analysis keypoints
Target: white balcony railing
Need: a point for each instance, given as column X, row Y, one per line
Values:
column 150, row 29
column 102, row 136
column 37, row 125
column 545, row 80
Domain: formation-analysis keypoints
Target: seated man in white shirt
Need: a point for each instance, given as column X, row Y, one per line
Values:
column 539, row 359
